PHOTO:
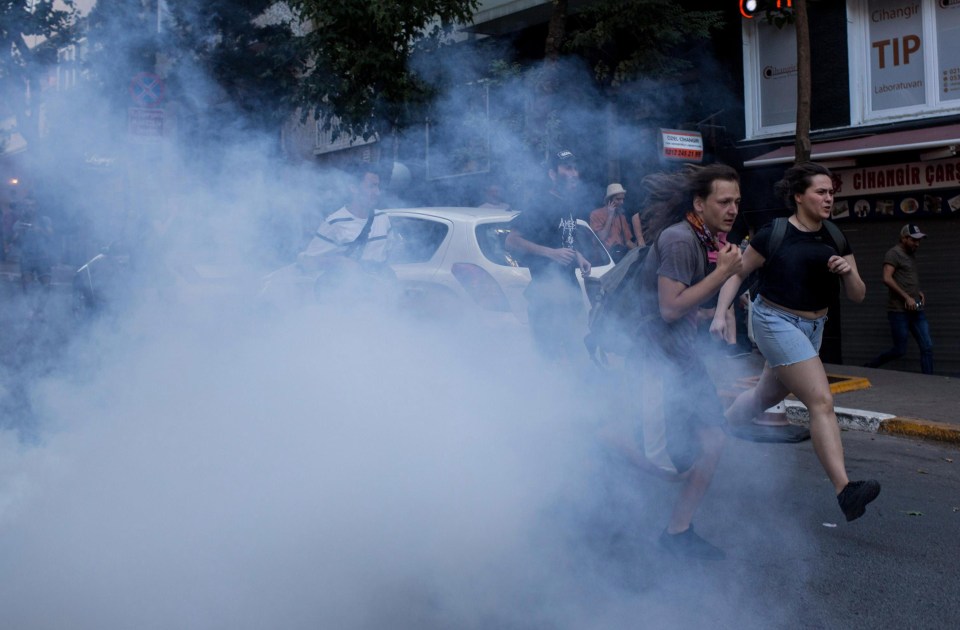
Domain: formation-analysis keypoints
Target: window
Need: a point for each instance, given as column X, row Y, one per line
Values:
column 417, row 239
column 904, row 59
column 770, row 78
column 590, row 246
column 909, row 52
column 491, row 238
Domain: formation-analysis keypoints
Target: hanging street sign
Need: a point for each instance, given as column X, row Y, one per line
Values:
column 146, row 89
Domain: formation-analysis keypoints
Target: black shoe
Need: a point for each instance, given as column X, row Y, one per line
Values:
column 855, row 496
column 689, row 545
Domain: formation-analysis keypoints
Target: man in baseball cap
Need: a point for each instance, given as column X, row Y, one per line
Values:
column 544, row 238
column 905, row 300
column 911, row 230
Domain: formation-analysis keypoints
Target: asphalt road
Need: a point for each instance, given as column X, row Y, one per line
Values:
column 792, row 560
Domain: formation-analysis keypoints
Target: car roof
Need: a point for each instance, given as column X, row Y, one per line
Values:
column 457, row 212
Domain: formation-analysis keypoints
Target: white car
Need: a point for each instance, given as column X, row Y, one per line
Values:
column 453, row 260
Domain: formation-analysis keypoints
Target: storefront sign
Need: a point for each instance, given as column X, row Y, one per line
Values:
column 901, row 191
column 896, row 54
column 686, row 146
column 911, row 176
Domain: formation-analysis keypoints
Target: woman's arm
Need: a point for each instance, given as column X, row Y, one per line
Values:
column 846, row 268
column 752, row 260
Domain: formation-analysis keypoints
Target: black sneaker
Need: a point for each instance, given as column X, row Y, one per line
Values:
column 855, row 495
column 688, row 544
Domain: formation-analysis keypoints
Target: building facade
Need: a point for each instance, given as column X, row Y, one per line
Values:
column 886, row 119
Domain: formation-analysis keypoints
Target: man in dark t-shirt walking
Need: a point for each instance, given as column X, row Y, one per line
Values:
column 905, row 301
column 543, row 236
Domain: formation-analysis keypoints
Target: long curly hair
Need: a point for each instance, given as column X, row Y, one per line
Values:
column 669, row 196
column 796, row 180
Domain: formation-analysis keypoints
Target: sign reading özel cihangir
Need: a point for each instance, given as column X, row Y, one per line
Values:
column 685, row 146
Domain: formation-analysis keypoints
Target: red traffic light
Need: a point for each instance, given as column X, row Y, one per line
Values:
column 749, row 8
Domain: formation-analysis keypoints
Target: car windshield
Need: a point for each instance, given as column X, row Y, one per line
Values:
column 590, row 246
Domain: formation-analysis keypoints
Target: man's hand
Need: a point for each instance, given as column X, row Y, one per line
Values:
column 584, row 265
column 729, row 260
column 562, row 255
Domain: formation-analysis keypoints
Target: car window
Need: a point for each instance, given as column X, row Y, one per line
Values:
column 590, row 246
column 417, row 240
column 491, row 237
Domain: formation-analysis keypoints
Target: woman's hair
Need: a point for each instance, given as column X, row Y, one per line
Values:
column 797, row 179
column 669, row 196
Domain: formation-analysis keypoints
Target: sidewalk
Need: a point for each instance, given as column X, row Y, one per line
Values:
column 886, row 401
column 62, row 274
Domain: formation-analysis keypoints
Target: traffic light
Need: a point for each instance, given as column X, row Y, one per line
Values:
column 749, row 8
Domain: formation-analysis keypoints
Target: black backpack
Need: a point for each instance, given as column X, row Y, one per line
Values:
column 614, row 311
column 779, row 229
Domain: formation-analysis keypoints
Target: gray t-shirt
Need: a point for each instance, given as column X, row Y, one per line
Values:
column 904, row 274
column 678, row 255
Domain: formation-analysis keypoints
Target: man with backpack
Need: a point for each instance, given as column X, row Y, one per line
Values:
column 688, row 209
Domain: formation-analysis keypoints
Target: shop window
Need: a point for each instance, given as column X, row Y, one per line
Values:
column 770, row 78
column 910, row 55
column 904, row 59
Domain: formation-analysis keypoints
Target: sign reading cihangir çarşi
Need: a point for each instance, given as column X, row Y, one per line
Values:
column 686, row 146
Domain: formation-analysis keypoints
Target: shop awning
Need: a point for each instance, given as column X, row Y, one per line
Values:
column 913, row 140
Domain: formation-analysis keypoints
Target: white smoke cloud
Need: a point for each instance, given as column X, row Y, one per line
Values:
column 201, row 461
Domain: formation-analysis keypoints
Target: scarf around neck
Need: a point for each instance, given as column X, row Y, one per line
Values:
column 703, row 233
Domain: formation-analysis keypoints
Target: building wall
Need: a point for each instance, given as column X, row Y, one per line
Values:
column 865, row 331
column 862, row 331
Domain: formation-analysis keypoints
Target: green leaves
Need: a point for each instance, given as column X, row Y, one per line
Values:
column 358, row 54
column 627, row 39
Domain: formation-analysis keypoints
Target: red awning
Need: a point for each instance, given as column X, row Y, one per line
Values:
column 914, row 140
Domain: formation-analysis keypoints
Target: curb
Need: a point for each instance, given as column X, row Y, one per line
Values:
column 926, row 429
column 875, row 422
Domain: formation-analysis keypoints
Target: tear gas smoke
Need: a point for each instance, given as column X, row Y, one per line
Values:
column 197, row 460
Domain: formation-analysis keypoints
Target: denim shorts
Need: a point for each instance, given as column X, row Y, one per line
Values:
column 782, row 337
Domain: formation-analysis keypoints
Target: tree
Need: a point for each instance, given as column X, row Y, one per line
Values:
column 627, row 39
column 802, row 145
column 358, row 58
column 22, row 63
column 255, row 62
column 223, row 65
